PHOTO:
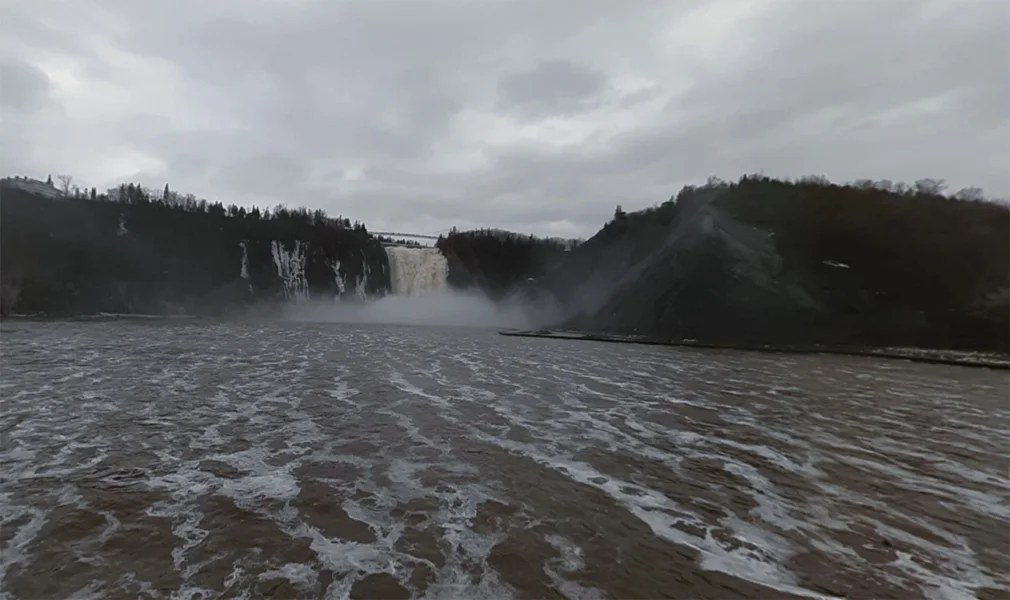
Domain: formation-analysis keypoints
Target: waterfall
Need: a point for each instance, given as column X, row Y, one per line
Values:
column 290, row 266
column 415, row 271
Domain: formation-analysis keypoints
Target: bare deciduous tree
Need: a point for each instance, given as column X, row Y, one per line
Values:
column 929, row 186
column 970, row 193
column 66, row 183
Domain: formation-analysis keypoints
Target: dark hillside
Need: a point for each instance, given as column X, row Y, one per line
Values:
column 772, row 261
column 498, row 262
column 137, row 254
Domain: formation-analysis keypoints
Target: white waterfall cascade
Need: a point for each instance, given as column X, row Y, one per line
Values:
column 416, row 271
column 290, row 267
column 244, row 272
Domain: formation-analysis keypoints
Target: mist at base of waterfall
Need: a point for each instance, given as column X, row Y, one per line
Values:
column 437, row 307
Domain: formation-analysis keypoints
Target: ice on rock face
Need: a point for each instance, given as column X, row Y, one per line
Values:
column 361, row 285
column 359, row 292
column 338, row 278
column 290, row 268
column 415, row 271
column 244, row 271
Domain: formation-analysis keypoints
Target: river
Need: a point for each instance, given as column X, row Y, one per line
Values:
column 198, row 459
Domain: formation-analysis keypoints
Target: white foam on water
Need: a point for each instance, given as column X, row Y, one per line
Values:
column 956, row 577
column 276, row 401
column 760, row 564
column 237, row 576
column 937, row 586
column 569, row 562
column 130, row 584
column 992, row 504
column 454, row 508
column 112, row 526
column 14, row 552
column 300, row 575
column 92, row 591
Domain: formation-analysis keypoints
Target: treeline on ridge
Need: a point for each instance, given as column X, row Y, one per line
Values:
column 911, row 245
column 134, row 250
column 885, row 263
column 498, row 261
column 131, row 193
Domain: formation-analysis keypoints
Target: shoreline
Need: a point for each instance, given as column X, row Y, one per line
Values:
column 977, row 359
column 96, row 317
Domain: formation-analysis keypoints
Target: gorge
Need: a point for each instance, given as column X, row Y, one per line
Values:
column 133, row 252
column 758, row 261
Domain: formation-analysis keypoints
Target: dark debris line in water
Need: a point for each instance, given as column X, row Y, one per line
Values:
column 195, row 460
column 984, row 359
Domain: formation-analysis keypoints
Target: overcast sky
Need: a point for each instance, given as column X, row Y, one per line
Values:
column 536, row 116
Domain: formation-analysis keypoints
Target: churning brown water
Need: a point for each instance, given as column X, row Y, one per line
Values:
column 209, row 460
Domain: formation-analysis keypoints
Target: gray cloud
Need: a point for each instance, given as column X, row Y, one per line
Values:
column 537, row 117
column 550, row 88
column 23, row 87
column 266, row 175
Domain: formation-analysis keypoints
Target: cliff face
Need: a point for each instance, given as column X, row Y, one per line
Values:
column 773, row 262
column 62, row 256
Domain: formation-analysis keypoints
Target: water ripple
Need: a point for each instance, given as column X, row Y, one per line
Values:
column 204, row 460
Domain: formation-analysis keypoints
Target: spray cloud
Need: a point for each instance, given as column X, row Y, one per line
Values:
column 420, row 296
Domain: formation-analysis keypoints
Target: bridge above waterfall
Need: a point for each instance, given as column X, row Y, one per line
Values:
column 398, row 238
column 396, row 234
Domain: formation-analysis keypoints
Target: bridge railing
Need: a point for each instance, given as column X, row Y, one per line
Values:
column 405, row 235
